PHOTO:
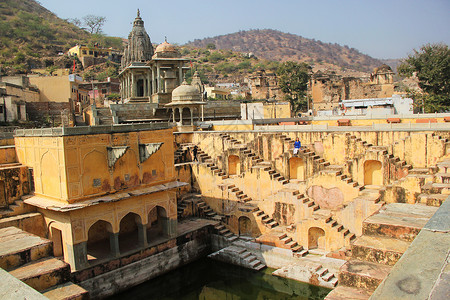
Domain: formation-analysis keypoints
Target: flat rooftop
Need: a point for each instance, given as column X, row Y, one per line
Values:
column 84, row 130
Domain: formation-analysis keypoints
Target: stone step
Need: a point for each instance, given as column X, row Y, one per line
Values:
column 43, row 274
column 301, row 253
column 66, row 291
column 432, row 199
column 322, row 271
column 333, row 281
column 18, row 247
column 30, row 222
column 328, row 276
column 344, row 293
column 398, row 220
column 363, row 274
column 382, row 250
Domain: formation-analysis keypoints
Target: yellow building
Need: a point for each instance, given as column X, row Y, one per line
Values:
column 62, row 89
column 95, row 51
column 265, row 110
column 103, row 192
column 217, row 92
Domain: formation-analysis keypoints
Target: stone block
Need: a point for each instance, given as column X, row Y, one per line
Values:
column 362, row 274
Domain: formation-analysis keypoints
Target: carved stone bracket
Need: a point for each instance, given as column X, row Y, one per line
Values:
column 146, row 150
column 114, row 153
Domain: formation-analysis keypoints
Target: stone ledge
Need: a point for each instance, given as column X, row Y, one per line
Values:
column 423, row 270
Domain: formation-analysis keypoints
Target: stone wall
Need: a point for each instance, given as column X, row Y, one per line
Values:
column 126, row 272
column 49, row 111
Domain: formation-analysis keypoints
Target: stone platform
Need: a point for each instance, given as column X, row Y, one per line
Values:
column 398, row 220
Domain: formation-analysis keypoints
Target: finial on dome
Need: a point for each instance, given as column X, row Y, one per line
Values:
column 165, row 39
column 138, row 13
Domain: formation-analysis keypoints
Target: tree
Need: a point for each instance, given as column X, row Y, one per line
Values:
column 75, row 21
column 431, row 66
column 293, row 80
column 94, row 23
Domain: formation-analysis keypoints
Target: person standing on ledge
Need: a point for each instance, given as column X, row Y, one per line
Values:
column 194, row 153
column 297, row 146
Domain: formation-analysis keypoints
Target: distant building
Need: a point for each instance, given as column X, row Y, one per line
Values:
column 100, row 90
column 327, row 90
column 91, row 55
column 218, row 93
column 63, row 89
column 265, row 110
column 264, row 86
column 15, row 92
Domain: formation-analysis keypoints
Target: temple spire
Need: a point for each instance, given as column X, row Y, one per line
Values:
column 138, row 13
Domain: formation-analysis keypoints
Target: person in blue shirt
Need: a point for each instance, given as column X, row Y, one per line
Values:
column 297, row 145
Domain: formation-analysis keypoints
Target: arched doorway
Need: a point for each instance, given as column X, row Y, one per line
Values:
column 373, row 172
column 129, row 233
column 234, row 165
column 140, row 88
column 56, row 236
column 157, row 224
column 245, row 226
column 100, row 238
column 316, row 238
column 296, row 168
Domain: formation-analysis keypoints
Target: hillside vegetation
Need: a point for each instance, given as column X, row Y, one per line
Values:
column 31, row 36
column 279, row 46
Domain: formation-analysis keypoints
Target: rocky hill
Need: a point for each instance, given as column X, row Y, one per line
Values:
column 32, row 36
column 279, row 46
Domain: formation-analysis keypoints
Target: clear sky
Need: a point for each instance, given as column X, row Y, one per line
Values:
column 380, row 28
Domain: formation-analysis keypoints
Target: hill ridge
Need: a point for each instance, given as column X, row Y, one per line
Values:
column 272, row 44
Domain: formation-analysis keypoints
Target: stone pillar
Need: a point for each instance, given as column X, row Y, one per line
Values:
column 114, row 244
column 203, row 119
column 149, row 85
column 128, row 86
column 192, row 116
column 133, row 86
column 142, row 234
column 153, row 81
column 169, row 227
column 173, row 113
column 181, row 115
column 158, row 79
column 77, row 256
column 180, row 75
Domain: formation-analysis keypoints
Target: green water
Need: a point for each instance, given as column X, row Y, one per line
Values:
column 207, row 279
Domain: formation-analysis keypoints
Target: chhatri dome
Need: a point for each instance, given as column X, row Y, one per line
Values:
column 186, row 93
column 166, row 50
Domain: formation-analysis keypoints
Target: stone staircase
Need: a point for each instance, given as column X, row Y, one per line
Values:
column 225, row 232
column 386, row 236
column 180, row 155
column 205, row 211
column 17, row 208
column 205, row 158
column 104, row 116
column 29, row 258
column 238, row 256
column 254, row 159
column 265, row 219
column 240, row 195
column 327, row 276
column 288, row 243
column 436, row 192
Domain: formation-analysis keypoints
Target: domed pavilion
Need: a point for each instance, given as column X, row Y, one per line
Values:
column 149, row 75
column 188, row 97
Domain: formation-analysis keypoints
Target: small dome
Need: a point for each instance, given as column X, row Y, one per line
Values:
column 186, row 92
column 382, row 69
column 166, row 47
